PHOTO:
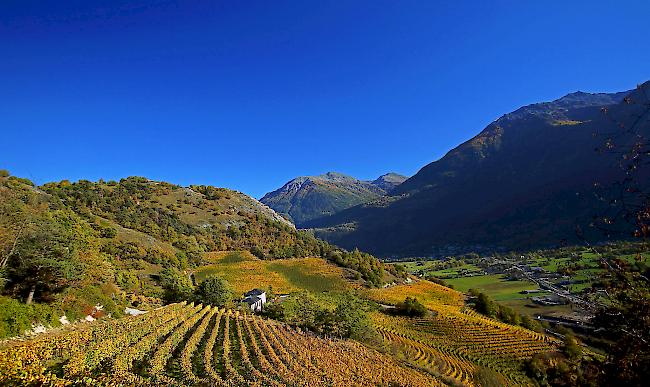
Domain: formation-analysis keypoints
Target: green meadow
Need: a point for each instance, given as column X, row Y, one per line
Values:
column 495, row 285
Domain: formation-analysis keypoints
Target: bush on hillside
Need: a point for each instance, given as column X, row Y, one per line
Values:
column 370, row 268
column 79, row 302
column 439, row 281
column 215, row 291
column 17, row 317
column 176, row 286
column 411, row 307
column 484, row 304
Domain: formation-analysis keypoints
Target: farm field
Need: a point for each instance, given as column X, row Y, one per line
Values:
column 185, row 344
column 430, row 267
column 245, row 272
column 454, row 342
column 469, row 276
column 494, row 285
column 527, row 307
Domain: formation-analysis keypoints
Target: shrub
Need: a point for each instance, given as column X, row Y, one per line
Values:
column 108, row 232
column 17, row 317
column 176, row 286
column 214, row 291
column 411, row 307
column 532, row 324
column 78, row 302
column 572, row 347
column 485, row 305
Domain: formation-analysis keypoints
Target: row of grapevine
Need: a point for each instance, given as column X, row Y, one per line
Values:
column 115, row 337
column 189, row 345
column 451, row 342
column 23, row 362
column 192, row 344
column 449, row 365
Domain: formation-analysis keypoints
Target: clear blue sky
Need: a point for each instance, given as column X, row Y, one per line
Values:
column 248, row 94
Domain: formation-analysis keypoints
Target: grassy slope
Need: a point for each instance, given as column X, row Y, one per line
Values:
column 495, row 285
column 245, row 272
column 193, row 208
column 141, row 239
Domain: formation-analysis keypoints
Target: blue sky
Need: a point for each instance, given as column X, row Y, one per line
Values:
column 248, row 94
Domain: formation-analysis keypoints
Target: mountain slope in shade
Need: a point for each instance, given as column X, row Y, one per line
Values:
column 308, row 197
column 527, row 180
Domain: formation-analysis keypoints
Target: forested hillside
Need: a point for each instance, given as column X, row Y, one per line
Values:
column 193, row 219
column 67, row 247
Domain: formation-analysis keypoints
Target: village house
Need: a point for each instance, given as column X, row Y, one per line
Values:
column 255, row 299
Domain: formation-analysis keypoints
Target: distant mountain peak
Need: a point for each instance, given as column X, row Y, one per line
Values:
column 334, row 176
column 309, row 197
column 391, row 176
column 389, row 181
column 591, row 99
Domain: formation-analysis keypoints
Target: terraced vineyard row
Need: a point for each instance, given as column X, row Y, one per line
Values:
column 451, row 366
column 194, row 345
column 454, row 341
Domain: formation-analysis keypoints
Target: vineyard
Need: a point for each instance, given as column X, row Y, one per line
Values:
column 185, row 344
column 455, row 342
column 244, row 272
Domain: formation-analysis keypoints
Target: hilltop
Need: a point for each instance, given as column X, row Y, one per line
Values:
column 308, row 197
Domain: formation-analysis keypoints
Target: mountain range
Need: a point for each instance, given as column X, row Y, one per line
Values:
column 309, row 197
column 531, row 178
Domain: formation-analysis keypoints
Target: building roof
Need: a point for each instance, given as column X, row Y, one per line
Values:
column 254, row 292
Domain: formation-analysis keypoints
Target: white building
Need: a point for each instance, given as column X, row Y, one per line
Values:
column 255, row 299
